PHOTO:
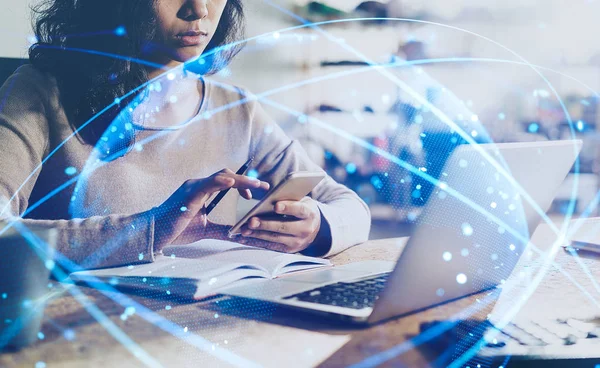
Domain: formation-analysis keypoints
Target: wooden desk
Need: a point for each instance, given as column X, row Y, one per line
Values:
column 247, row 332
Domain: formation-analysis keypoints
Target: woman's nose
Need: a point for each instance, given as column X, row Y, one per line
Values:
column 195, row 9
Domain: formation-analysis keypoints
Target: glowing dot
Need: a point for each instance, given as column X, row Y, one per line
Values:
column 351, row 168
column 474, row 133
column 533, row 128
column 443, row 186
column 501, row 116
column 461, row 278
column 168, row 307
column 467, row 230
column 50, row 264
column 511, row 207
column 128, row 126
column 144, row 279
column 418, row 186
column 130, row 311
column 580, row 125
column 185, row 329
column 140, row 256
column 418, row 119
column 268, row 129
column 377, row 183
column 120, row 31
column 138, row 147
column 173, row 99
column 32, row 40
column 253, row 173
column 440, row 292
column 447, row 256
column 40, row 364
column 69, row 335
column 168, row 292
column 463, row 163
column 117, row 101
column 201, row 61
column 171, row 76
column 512, row 247
column 474, row 118
column 276, row 35
column 183, row 208
column 70, row 170
column 494, row 257
column 464, row 252
column 41, row 335
column 493, row 205
column 216, row 315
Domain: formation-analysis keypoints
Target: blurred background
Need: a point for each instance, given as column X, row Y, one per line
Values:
column 468, row 58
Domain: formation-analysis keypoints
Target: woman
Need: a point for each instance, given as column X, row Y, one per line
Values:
column 137, row 177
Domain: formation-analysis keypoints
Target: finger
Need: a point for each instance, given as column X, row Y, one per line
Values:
column 274, row 226
column 243, row 181
column 297, row 209
column 199, row 191
column 245, row 193
column 288, row 241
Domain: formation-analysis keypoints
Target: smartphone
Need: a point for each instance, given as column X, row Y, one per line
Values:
column 293, row 188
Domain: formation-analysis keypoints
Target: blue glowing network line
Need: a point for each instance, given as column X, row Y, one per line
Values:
column 450, row 123
column 147, row 314
column 105, row 54
column 529, row 64
column 442, row 116
column 239, row 102
column 415, row 95
column 417, row 172
column 92, row 309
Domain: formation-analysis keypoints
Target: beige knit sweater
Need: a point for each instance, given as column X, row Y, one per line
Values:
column 95, row 205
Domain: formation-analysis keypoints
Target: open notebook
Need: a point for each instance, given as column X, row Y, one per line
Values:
column 200, row 269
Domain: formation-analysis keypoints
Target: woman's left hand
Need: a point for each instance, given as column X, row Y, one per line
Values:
column 287, row 235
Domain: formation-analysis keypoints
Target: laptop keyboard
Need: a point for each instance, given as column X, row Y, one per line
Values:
column 356, row 295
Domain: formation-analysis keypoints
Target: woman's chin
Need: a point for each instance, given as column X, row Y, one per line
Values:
column 188, row 55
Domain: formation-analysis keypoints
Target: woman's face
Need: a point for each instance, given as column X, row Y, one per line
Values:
column 185, row 27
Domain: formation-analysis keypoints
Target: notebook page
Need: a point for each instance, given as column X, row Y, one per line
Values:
column 170, row 267
column 276, row 263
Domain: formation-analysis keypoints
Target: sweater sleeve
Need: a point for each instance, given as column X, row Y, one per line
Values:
column 25, row 118
column 346, row 216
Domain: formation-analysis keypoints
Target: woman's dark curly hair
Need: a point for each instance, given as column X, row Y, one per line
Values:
column 89, row 82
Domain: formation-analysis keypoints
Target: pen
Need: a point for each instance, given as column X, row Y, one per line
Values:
column 222, row 194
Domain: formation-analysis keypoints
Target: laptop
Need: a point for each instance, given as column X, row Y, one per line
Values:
column 468, row 238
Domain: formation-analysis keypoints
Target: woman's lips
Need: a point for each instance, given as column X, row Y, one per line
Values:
column 192, row 38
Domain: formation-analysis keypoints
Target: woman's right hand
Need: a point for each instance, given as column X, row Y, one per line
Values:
column 189, row 201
